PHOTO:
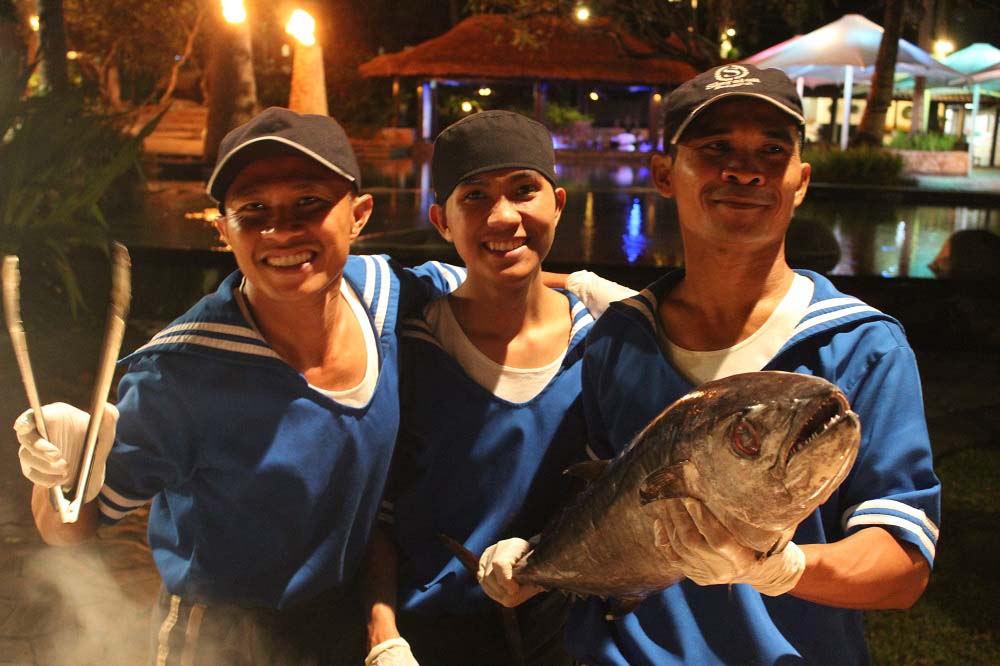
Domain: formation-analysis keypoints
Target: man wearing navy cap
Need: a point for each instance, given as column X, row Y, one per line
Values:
column 260, row 424
column 733, row 165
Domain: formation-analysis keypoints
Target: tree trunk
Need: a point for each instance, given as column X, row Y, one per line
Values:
column 872, row 126
column 230, row 86
column 52, row 33
column 12, row 56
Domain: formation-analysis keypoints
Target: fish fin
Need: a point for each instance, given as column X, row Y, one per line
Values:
column 468, row 559
column 622, row 606
column 670, row 482
column 588, row 470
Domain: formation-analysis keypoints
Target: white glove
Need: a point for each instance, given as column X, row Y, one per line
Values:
column 54, row 461
column 393, row 652
column 496, row 573
column 706, row 552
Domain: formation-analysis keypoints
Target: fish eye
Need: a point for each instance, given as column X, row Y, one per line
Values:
column 745, row 439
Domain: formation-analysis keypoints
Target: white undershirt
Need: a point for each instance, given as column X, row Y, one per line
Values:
column 512, row 384
column 361, row 394
column 756, row 351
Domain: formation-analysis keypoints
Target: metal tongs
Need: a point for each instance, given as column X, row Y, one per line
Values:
column 114, row 331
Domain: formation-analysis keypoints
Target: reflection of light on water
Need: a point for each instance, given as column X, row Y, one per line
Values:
column 624, row 176
column 425, row 193
column 633, row 240
column 587, row 232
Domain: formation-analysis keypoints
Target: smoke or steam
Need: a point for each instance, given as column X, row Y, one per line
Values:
column 88, row 604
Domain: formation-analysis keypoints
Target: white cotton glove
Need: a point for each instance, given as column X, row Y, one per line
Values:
column 54, row 461
column 595, row 292
column 496, row 573
column 707, row 553
column 393, row 652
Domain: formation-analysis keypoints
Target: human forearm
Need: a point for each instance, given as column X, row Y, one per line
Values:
column 378, row 587
column 51, row 528
column 868, row 570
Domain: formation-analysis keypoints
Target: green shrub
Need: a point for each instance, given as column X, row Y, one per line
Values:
column 869, row 166
column 923, row 141
column 561, row 116
column 62, row 162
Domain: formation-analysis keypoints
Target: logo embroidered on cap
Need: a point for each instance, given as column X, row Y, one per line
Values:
column 731, row 76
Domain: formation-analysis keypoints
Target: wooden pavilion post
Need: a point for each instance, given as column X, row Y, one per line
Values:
column 539, row 90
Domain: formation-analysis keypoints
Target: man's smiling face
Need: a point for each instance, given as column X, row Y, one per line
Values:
column 737, row 174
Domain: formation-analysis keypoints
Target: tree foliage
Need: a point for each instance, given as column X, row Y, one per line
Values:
column 140, row 38
column 688, row 31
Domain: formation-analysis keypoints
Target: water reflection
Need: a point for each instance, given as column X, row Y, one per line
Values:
column 613, row 216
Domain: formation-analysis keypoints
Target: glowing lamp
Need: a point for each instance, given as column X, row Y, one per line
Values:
column 485, row 92
column 943, row 47
column 467, row 107
column 582, row 13
column 33, row 21
column 302, row 26
column 233, row 11
column 594, row 96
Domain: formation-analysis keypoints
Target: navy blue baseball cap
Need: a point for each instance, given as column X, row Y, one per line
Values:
column 692, row 97
column 277, row 131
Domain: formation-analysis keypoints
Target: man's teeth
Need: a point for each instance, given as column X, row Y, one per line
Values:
column 505, row 246
column 289, row 259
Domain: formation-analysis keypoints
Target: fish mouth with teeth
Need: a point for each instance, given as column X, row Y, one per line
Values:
column 831, row 411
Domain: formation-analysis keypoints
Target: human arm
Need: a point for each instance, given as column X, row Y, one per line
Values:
column 595, row 292
column 866, row 570
column 53, row 462
column 378, row 595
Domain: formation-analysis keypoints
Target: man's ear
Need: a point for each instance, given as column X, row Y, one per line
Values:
column 806, row 175
column 362, row 210
column 560, row 194
column 661, row 167
column 440, row 221
column 221, row 224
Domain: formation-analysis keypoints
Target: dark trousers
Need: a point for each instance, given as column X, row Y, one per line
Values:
column 462, row 640
column 326, row 631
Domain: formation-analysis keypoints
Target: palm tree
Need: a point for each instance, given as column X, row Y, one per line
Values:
column 52, row 29
column 872, row 126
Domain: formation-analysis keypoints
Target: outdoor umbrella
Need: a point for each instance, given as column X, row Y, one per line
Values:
column 988, row 79
column 845, row 51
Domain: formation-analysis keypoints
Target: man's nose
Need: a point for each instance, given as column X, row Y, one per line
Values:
column 742, row 170
column 281, row 221
column 503, row 212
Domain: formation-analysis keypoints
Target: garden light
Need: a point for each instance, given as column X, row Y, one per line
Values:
column 594, row 96
column 302, row 26
column 943, row 47
column 233, row 11
column 467, row 107
column 582, row 13
column 485, row 92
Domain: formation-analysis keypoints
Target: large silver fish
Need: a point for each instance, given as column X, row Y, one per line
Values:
column 762, row 450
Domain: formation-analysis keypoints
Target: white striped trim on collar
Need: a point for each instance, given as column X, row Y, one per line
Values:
column 212, row 343
column 453, row 275
column 209, row 327
column 644, row 302
column 822, row 319
column 377, row 278
column 580, row 323
column 417, row 329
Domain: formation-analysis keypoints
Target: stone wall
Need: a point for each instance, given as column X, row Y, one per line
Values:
column 936, row 162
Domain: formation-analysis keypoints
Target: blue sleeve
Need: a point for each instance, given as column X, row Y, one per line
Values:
column 893, row 484
column 424, row 283
column 153, row 446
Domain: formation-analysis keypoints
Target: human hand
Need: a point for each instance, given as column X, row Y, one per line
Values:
column 393, row 652
column 55, row 461
column 496, row 573
column 705, row 551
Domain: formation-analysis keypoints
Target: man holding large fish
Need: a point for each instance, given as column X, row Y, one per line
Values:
column 753, row 592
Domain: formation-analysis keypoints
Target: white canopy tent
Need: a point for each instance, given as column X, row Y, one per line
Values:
column 844, row 52
column 989, row 79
